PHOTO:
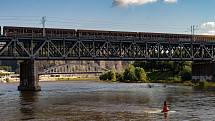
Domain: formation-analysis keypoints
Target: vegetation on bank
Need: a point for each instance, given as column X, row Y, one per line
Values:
column 6, row 68
column 130, row 75
column 154, row 72
column 204, row 85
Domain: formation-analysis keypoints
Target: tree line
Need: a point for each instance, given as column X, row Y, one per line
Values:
column 152, row 71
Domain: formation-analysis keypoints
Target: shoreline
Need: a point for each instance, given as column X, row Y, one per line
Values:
column 69, row 79
column 57, row 80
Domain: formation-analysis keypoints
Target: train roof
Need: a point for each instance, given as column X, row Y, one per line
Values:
column 107, row 31
column 37, row 28
column 88, row 30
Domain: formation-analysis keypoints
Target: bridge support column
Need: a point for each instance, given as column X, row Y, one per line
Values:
column 203, row 71
column 28, row 76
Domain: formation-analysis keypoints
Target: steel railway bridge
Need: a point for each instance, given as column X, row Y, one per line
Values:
column 32, row 49
column 93, row 48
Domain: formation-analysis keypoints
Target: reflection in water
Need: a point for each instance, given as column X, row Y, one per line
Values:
column 28, row 105
column 165, row 115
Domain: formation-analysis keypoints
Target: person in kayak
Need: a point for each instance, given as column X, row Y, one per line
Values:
column 165, row 108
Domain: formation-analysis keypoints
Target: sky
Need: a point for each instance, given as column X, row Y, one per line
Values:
column 172, row 16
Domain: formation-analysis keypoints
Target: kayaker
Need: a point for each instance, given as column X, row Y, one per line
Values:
column 165, row 108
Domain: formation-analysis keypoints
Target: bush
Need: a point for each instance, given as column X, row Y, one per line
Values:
column 140, row 74
column 186, row 74
column 129, row 74
column 119, row 77
column 203, row 84
column 103, row 77
column 110, row 75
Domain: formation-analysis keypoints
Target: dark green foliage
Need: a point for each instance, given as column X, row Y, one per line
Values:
column 110, row 75
column 140, row 74
column 166, row 70
column 157, row 71
column 129, row 74
column 134, row 74
column 119, row 77
column 6, row 68
column 186, row 74
column 204, row 85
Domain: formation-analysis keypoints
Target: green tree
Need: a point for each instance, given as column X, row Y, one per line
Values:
column 186, row 73
column 129, row 74
column 103, row 77
column 110, row 75
column 140, row 74
column 119, row 77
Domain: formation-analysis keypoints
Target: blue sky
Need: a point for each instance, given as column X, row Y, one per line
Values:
column 132, row 15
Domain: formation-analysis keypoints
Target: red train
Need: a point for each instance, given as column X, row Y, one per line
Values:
column 70, row 33
column 38, row 32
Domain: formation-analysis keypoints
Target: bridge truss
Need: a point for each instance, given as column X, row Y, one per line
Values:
column 104, row 48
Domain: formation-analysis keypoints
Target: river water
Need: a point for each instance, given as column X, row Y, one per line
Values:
column 99, row 101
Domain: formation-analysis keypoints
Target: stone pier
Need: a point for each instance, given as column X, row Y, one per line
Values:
column 203, row 71
column 29, row 78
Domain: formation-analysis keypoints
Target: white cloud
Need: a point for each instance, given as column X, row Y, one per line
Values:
column 171, row 1
column 209, row 28
column 138, row 2
column 208, row 25
column 132, row 2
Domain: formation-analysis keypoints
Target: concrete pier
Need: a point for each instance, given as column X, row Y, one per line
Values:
column 29, row 76
column 203, row 71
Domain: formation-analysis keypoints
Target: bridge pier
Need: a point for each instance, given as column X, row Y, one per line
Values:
column 28, row 76
column 203, row 71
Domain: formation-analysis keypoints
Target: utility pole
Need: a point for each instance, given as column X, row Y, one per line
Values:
column 193, row 30
column 44, row 25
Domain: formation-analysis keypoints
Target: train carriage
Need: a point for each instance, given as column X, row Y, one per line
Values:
column 122, row 34
column 204, row 38
column 150, row 36
column 118, row 35
column 22, row 31
column 164, row 37
column 60, row 33
column 38, row 32
column 92, row 33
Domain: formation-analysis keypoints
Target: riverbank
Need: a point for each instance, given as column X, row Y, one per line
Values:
column 68, row 79
column 53, row 79
column 205, row 85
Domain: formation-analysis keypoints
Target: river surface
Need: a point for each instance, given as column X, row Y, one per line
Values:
column 99, row 101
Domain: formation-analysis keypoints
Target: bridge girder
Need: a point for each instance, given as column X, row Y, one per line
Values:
column 80, row 48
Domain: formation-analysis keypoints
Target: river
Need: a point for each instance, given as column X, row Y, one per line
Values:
column 100, row 101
